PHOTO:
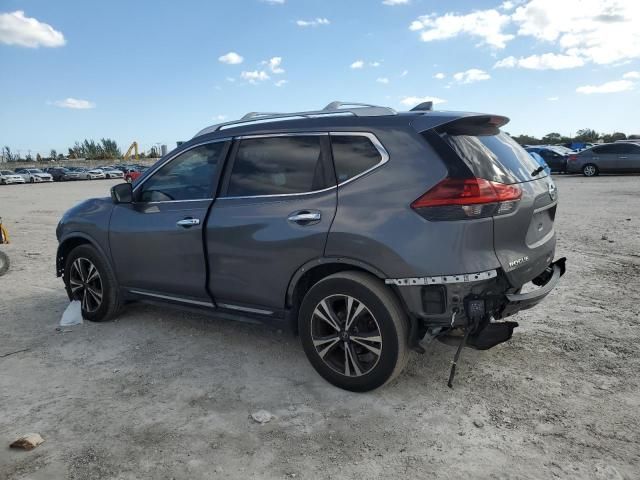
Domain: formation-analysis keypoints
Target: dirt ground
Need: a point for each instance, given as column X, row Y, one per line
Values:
column 163, row 394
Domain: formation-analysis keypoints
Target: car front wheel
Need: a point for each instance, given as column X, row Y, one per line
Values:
column 354, row 331
column 89, row 279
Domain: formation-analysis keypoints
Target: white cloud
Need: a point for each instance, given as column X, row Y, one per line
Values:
column 16, row 29
column 471, row 75
column 313, row 23
column 273, row 2
column 220, row 118
column 632, row 75
column 357, row 64
column 583, row 31
column 383, row 80
column 413, row 101
column 393, row 3
column 404, row 73
column 599, row 31
column 553, row 99
column 374, row 64
column 608, row 87
column 255, row 76
column 231, row 79
column 439, row 76
column 486, row 24
column 546, row 61
column 281, row 83
column 74, row 103
column 274, row 64
column 231, row 58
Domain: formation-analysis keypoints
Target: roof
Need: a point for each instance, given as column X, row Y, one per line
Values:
column 340, row 114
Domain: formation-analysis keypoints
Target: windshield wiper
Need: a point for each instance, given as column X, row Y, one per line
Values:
column 537, row 171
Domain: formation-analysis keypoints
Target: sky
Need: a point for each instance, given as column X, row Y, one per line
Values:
column 159, row 71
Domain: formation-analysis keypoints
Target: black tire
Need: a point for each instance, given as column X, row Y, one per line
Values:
column 110, row 303
column 4, row 263
column 590, row 170
column 382, row 311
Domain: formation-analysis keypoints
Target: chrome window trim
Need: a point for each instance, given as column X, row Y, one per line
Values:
column 159, row 166
column 384, row 158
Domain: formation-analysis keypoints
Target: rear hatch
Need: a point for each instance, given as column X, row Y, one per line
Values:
column 524, row 235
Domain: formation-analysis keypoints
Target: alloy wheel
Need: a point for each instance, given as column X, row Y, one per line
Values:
column 86, row 284
column 346, row 335
column 589, row 170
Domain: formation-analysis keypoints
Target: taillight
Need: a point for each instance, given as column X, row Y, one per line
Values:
column 467, row 198
column 572, row 158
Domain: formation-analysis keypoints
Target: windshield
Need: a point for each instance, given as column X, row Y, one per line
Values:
column 495, row 157
column 35, row 170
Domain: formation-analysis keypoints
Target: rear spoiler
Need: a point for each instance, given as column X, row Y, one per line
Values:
column 469, row 124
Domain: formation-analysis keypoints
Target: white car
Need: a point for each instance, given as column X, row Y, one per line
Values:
column 111, row 172
column 7, row 177
column 34, row 175
column 94, row 174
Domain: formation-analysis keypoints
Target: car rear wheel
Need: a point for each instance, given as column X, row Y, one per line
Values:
column 354, row 331
column 590, row 170
column 89, row 279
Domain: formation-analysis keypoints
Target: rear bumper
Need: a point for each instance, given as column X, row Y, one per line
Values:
column 547, row 281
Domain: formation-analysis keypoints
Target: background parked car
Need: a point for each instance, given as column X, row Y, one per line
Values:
column 555, row 157
column 34, row 175
column 111, row 172
column 132, row 174
column 621, row 157
column 7, row 177
column 91, row 174
column 61, row 174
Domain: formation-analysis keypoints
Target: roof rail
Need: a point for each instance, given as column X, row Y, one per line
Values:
column 334, row 108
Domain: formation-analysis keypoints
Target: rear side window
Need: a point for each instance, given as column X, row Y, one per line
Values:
column 494, row 157
column 353, row 155
column 609, row 149
column 278, row 165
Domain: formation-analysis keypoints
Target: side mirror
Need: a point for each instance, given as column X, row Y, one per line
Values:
column 122, row 193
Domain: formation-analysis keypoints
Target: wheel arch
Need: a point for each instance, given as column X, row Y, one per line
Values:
column 315, row 270
column 70, row 242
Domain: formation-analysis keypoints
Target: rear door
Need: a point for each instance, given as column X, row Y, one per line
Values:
column 157, row 241
column 273, row 216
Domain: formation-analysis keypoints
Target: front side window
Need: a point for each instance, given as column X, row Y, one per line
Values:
column 278, row 165
column 189, row 176
column 353, row 155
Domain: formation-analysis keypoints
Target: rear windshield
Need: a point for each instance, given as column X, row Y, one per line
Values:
column 495, row 157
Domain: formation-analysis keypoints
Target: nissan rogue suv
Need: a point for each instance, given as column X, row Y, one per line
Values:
column 363, row 229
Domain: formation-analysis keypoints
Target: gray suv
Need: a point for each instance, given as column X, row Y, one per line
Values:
column 367, row 231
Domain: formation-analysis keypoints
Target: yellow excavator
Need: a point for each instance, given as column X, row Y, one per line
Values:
column 134, row 147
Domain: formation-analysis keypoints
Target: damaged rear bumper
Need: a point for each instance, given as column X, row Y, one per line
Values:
column 546, row 281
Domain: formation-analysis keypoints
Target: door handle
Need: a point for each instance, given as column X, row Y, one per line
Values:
column 305, row 217
column 188, row 222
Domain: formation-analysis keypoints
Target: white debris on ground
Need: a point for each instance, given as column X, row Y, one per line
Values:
column 262, row 416
column 28, row 441
column 72, row 315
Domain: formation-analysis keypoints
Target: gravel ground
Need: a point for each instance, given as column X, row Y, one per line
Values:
column 164, row 394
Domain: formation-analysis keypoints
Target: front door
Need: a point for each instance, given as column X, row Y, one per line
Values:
column 156, row 242
column 272, row 217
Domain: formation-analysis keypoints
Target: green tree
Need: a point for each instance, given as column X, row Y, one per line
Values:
column 552, row 138
column 587, row 135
